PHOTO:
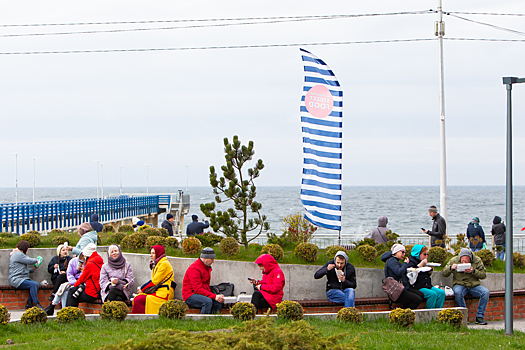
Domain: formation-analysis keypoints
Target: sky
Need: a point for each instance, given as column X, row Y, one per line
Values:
column 172, row 109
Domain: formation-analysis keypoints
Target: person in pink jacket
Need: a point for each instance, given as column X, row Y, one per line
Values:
column 269, row 291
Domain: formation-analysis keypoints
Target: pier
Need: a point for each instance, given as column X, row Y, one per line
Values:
column 68, row 214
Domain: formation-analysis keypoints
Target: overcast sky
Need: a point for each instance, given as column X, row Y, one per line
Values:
column 172, row 109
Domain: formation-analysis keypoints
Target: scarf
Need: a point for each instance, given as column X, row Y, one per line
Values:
column 119, row 262
column 159, row 253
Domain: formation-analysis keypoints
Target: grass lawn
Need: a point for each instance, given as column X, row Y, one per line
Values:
column 371, row 335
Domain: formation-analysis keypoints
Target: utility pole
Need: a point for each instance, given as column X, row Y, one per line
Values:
column 440, row 32
column 98, row 195
column 16, row 178
column 121, row 180
column 102, row 173
column 147, row 180
column 34, row 180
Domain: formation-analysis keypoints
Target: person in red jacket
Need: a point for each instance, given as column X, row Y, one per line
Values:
column 196, row 290
column 269, row 291
column 89, row 278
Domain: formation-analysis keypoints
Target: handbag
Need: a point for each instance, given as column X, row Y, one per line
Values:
column 224, row 288
column 392, row 287
column 153, row 289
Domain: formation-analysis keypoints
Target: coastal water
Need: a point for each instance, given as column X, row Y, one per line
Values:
column 405, row 206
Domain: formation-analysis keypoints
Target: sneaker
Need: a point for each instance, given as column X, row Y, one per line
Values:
column 40, row 307
column 481, row 321
column 50, row 310
column 29, row 304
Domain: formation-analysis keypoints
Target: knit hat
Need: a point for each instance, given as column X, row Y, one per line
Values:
column 169, row 216
column 140, row 222
column 89, row 249
column 416, row 250
column 341, row 253
column 208, row 253
column 59, row 248
column 465, row 252
column 194, row 217
column 84, row 228
column 497, row 220
column 432, row 209
column 396, row 248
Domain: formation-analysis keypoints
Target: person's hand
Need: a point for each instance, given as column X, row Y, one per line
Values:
column 35, row 267
column 114, row 280
column 407, row 260
column 330, row 266
column 426, row 231
column 139, row 290
column 219, row 298
column 258, row 286
column 423, row 262
column 252, row 281
column 62, row 272
column 125, row 286
column 69, row 248
column 342, row 278
column 454, row 266
column 469, row 270
column 55, row 266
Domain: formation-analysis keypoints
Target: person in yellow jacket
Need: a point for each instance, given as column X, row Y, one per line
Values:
column 161, row 276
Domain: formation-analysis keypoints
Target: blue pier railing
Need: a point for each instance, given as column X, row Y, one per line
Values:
column 45, row 216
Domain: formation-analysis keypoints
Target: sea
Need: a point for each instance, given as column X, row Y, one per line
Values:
column 404, row 206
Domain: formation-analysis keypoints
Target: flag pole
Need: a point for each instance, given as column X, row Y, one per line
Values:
column 339, row 237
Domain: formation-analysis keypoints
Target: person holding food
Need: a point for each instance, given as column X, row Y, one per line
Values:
column 418, row 259
column 340, row 280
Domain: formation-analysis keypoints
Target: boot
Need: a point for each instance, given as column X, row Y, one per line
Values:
column 39, row 306
column 51, row 297
column 50, row 310
column 481, row 321
column 29, row 304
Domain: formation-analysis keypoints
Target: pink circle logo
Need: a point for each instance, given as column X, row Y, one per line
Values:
column 319, row 101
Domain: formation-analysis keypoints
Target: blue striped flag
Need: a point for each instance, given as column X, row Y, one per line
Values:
column 322, row 127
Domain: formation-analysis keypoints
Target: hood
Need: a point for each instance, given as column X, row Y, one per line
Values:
column 95, row 258
column 416, row 250
column 268, row 262
column 94, row 218
column 497, row 220
column 382, row 221
column 386, row 256
column 343, row 254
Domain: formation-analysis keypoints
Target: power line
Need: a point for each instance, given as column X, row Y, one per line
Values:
column 483, row 39
column 215, row 19
column 490, row 25
column 214, row 47
column 486, row 13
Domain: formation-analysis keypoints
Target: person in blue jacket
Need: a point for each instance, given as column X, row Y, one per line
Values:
column 475, row 235
column 196, row 227
column 410, row 298
column 435, row 296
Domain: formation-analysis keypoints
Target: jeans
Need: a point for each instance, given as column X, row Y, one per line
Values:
column 435, row 297
column 60, row 299
column 346, row 296
column 479, row 292
column 33, row 290
column 501, row 255
column 207, row 305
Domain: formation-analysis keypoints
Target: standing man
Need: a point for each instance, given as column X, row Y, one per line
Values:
column 439, row 228
column 341, row 280
column 196, row 227
column 467, row 281
column 168, row 224
column 196, row 290
column 97, row 226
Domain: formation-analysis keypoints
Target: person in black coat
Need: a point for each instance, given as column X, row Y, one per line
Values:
column 57, row 267
column 341, row 280
column 97, row 226
column 439, row 228
column 475, row 235
column 410, row 298
column 498, row 231
column 168, row 224
column 196, row 227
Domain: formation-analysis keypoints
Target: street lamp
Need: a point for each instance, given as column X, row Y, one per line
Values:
column 147, row 180
column 102, row 176
column 509, row 268
column 34, row 180
column 97, row 181
column 121, row 180
column 16, row 178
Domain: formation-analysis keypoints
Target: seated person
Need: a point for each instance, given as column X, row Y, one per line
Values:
column 435, row 296
column 87, row 235
column 89, row 279
column 162, row 276
column 19, row 273
column 467, row 282
column 74, row 269
column 340, row 280
column 116, row 277
column 269, row 291
column 57, row 267
column 196, row 290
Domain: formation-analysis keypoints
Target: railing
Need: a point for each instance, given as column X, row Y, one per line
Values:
column 45, row 216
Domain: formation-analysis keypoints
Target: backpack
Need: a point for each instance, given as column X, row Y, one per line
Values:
column 224, row 288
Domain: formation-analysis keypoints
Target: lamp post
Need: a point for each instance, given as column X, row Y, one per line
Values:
column 98, row 196
column 16, row 178
column 102, row 177
column 121, row 180
column 509, row 268
column 34, row 180
column 147, row 180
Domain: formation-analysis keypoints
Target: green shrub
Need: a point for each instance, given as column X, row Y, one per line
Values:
column 366, row 241
column 306, row 251
column 283, row 240
column 134, row 241
column 173, row 309
column 114, row 310
column 452, row 316
column 163, row 232
column 381, row 248
column 350, row 314
column 154, row 240
column 297, row 228
column 58, row 240
column 117, row 237
column 108, row 228
column 6, row 235
column 57, row 231
column 172, row 242
column 191, row 245
column 402, row 317
column 35, row 233
column 70, row 314
column 150, row 231
column 243, row 311
column 367, row 252
column 3, row 241
column 99, row 240
column 144, row 227
column 486, row 256
column 209, row 239
column 255, row 247
column 437, row 255
column 274, row 250
column 518, row 259
column 408, row 250
column 125, row 228
column 34, row 315
column 333, row 249
column 32, row 238
column 461, row 242
column 230, row 246
column 290, row 310
column 5, row 315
